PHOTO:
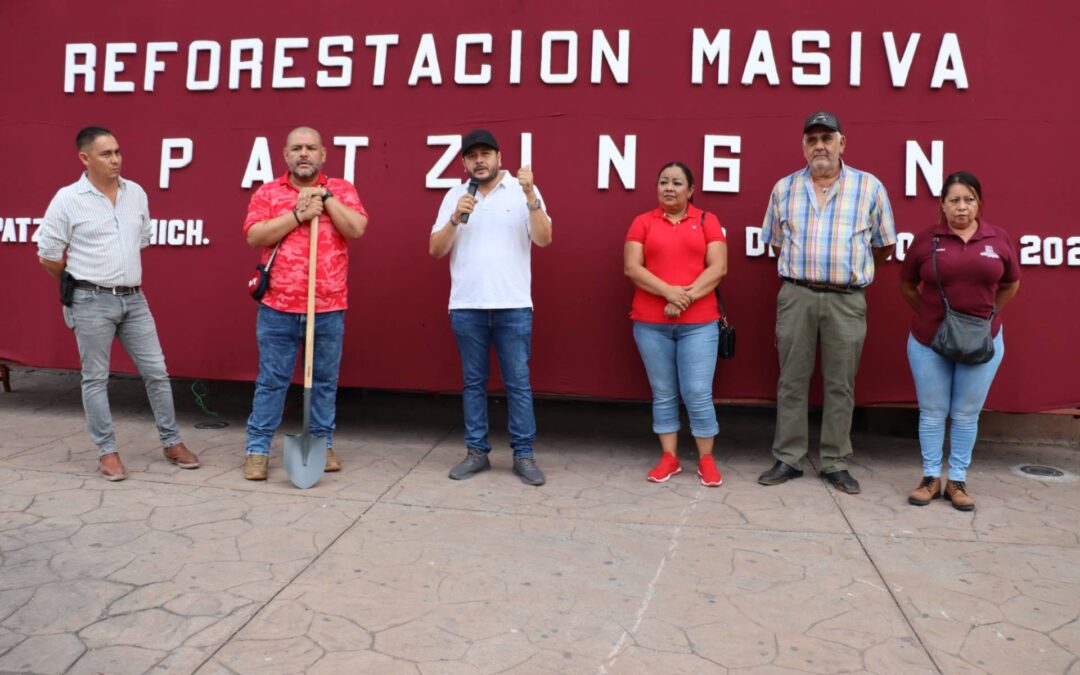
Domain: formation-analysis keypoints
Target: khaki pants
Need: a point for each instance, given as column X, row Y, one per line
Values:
column 804, row 316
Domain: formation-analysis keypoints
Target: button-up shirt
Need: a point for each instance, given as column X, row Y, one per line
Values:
column 289, row 273
column 831, row 244
column 102, row 239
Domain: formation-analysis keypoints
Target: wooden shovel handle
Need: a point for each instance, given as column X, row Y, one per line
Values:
column 309, row 337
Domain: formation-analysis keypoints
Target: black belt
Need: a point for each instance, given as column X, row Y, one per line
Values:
column 115, row 290
column 819, row 287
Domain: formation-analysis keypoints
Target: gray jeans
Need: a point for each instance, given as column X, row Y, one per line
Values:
column 96, row 318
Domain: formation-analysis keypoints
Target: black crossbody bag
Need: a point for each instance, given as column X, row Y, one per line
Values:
column 725, row 348
column 963, row 338
column 259, row 282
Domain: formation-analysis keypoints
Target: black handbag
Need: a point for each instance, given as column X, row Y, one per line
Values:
column 725, row 348
column 259, row 282
column 963, row 338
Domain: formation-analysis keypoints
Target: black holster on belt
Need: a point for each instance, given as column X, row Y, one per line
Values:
column 67, row 289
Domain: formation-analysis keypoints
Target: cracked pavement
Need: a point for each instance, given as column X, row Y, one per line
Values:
column 390, row 567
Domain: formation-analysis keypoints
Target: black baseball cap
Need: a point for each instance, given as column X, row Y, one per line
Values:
column 478, row 137
column 822, row 119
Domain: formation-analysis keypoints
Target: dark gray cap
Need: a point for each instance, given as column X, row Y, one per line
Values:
column 822, row 119
column 478, row 137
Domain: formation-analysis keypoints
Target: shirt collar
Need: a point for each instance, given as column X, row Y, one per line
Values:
column 839, row 179
column 691, row 212
column 84, row 184
column 320, row 180
column 985, row 231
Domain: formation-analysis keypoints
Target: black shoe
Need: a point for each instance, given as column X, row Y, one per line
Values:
column 526, row 468
column 842, row 481
column 779, row 473
column 474, row 462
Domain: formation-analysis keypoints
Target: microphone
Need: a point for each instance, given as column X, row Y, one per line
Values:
column 473, row 184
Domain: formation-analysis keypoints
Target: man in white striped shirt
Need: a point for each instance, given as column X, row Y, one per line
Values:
column 102, row 222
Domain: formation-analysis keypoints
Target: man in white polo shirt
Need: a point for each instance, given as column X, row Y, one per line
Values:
column 488, row 226
column 101, row 222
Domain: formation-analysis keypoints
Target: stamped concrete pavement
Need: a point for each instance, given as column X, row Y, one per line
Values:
column 389, row 567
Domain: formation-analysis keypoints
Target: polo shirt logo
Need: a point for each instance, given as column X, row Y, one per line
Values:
column 989, row 252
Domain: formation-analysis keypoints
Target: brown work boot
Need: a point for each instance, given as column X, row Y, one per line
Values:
column 181, row 456
column 255, row 467
column 111, row 468
column 956, row 492
column 332, row 462
column 929, row 489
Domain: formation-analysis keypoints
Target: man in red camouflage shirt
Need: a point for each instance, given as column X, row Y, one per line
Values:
column 280, row 214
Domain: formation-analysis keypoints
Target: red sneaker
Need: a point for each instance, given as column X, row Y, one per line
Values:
column 710, row 475
column 668, row 467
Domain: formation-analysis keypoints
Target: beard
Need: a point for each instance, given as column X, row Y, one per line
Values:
column 305, row 171
column 493, row 173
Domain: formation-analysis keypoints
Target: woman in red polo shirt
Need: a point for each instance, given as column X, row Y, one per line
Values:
column 979, row 273
column 676, row 254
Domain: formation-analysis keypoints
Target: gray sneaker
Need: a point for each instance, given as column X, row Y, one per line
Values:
column 526, row 468
column 474, row 462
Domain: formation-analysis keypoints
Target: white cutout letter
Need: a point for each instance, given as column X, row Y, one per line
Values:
column 550, row 37
column 187, row 150
column 899, row 66
column 624, row 163
column 73, row 69
column 259, row 167
column 932, row 169
column 760, row 61
column 350, row 143
column 453, row 149
column 712, row 163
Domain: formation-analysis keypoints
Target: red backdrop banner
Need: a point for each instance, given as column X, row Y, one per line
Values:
column 596, row 96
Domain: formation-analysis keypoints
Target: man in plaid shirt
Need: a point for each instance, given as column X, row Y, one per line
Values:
column 830, row 225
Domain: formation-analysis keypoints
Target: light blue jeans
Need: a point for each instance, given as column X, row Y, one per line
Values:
column 96, row 318
column 281, row 340
column 953, row 390
column 680, row 358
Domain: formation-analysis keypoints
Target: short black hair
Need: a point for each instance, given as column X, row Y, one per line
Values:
column 88, row 135
column 963, row 178
column 681, row 167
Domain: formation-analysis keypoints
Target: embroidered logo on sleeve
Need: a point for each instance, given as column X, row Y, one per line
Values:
column 989, row 252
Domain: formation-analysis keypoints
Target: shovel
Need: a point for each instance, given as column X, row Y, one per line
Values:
column 305, row 455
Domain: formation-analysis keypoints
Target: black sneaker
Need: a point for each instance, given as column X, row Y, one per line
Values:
column 474, row 462
column 530, row 474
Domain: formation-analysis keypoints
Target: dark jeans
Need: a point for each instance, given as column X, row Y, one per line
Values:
column 280, row 336
column 510, row 331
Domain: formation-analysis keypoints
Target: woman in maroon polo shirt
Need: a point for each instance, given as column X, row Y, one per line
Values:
column 676, row 254
column 979, row 273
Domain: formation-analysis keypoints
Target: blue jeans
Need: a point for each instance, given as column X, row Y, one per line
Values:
column 510, row 330
column 281, row 336
column 954, row 390
column 96, row 318
column 680, row 359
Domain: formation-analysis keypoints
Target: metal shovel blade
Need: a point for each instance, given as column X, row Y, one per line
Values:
column 305, row 459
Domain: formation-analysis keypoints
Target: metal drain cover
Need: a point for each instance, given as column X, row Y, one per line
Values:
column 1042, row 471
column 211, row 425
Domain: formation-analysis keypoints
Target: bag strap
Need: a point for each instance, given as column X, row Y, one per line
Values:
column 270, row 262
column 937, row 277
column 716, row 289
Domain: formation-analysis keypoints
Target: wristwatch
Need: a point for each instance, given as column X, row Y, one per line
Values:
column 327, row 194
column 536, row 206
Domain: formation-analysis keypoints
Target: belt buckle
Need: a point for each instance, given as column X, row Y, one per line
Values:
column 113, row 290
